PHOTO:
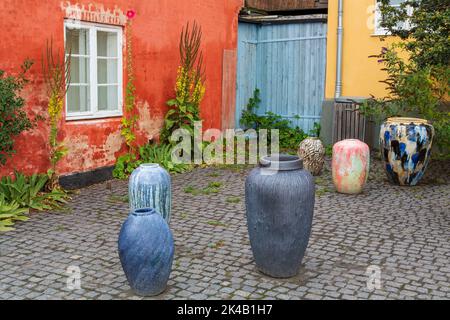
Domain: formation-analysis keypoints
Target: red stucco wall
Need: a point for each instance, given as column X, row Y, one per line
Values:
column 26, row 25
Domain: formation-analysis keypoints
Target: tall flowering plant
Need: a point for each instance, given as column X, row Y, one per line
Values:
column 190, row 85
column 57, row 77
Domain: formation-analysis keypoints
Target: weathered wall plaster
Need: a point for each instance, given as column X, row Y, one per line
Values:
column 28, row 24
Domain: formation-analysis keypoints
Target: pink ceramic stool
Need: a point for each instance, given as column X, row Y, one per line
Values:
column 351, row 162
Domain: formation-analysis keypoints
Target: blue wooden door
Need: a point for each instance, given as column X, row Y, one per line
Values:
column 287, row 62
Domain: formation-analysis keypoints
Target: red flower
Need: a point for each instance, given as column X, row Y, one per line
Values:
column 131, row 14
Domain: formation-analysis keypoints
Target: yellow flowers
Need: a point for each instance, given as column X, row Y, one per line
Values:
column 189, row 88
column 199, row 92
column 182, row 84
column 55, row 106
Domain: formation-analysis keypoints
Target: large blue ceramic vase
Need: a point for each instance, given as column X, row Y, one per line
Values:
column 406, row 144
column 280, row 198
column 146, row 250
column 150, row 187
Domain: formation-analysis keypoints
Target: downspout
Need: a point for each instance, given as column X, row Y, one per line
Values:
column 339, row 56
column 340, row 35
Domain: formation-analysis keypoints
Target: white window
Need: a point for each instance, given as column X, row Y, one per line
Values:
column 95, row 89
column 378, row 17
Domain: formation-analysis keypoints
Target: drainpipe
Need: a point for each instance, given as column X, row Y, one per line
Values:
column 340, row 34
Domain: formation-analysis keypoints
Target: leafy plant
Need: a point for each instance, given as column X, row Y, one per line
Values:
column 317, row 129
column 190, row 88
column 215, row 184
column 211, row 188
column 13, row 119
column 162, row 155
column 27, row 192
column 149, row 153
column 417, row 65
column 9, row 213
column 125, row 165
column 249, row 119
column 233, row 199
column 426, row 37
column 192, row 190
column 214, row 174
column 329, row 150
column 56, row 72
column 290, row 136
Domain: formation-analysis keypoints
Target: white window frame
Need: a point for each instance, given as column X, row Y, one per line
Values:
column 379, row 31
column 94, row 113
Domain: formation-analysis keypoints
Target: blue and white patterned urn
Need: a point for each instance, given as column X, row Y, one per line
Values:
column 150, row 187
column 146, row 251
column 406, row 144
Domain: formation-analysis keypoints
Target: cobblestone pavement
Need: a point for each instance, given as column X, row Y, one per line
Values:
column 404, row 231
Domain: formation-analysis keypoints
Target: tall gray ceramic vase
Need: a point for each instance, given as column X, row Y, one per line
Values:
column 280, row 197
column 150, row 187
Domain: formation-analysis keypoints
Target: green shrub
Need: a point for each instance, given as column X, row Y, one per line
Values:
column 162, row 155
column 124, row 166
column 13, row 119
column 419, row 84
column 149, row 153
column 290, row 136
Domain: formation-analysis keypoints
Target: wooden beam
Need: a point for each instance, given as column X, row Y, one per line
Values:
column 286, row 5
column 229, row 89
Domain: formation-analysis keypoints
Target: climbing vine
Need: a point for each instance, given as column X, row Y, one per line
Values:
column 56, row 72
column 125, row 163
column 130, row 118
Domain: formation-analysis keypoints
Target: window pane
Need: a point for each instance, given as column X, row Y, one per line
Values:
column 77, row 40
column 396, row 2
column 107, row 71
column 78, row 99
column 108, row 98
column 106, row 44
column 79, row 70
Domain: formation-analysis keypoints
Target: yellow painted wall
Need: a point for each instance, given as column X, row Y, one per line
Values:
column 360, row 74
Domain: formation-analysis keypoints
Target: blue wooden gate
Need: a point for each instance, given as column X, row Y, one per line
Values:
column 287, row 62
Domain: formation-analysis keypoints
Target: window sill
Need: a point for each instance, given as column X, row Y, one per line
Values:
column 94, row 116
column 380, row 34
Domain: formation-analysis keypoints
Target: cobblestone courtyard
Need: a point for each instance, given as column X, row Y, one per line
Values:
column 404, row 231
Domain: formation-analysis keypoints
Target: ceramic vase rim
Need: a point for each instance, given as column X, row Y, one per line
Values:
column 143, row 212
column 352, row 140
column 149, row 165
column 281, row 162
column 407, row 120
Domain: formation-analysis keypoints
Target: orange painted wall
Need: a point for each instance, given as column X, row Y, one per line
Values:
column 27, row 24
